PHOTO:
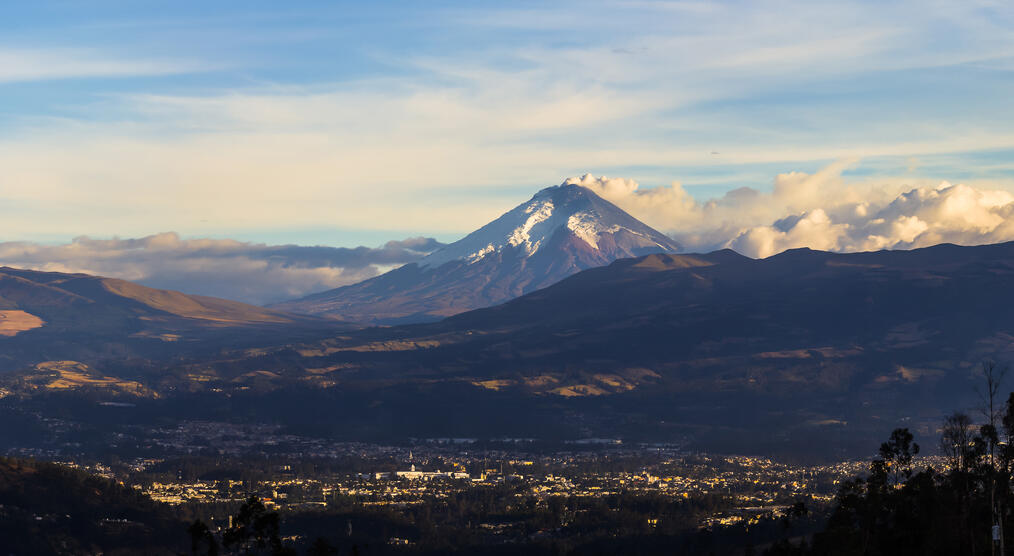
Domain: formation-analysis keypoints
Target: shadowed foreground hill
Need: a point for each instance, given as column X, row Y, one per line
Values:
column 50, row 509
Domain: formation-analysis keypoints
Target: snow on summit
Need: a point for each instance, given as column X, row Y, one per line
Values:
column 562, row 209
column 559, row 232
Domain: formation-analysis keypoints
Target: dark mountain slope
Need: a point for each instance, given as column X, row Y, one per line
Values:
column 47, row 508
column 714, row 344
column 727, row 352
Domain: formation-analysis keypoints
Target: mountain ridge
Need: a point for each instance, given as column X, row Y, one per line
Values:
column 61, row 316
column 730, row 351
column 36, row 290
column 717, row 349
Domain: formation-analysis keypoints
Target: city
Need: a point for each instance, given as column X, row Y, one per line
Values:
column 570, row 278
column 209, row 469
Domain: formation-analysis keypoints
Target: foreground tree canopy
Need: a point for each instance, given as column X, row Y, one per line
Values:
column 897, row 509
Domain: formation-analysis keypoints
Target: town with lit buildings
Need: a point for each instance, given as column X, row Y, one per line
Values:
column 425, row 470
column 501, row 490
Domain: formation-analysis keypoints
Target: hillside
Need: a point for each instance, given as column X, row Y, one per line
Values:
column 802, row 343
column 52, row 316
column 57, row 297
column 47, row 508
column 716, row 350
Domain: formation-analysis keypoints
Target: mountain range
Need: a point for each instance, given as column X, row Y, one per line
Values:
column 712, row 350
column 732, row 352
column 560, row 231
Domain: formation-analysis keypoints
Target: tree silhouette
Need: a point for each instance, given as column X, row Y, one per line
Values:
column 896, row 455
column 898, row 510
column 202, row 541
column 321, row 547
column 254, row 530
column 955, row 440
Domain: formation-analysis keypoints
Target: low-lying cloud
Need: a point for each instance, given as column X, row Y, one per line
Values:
column 250, row 272
column 819, row 211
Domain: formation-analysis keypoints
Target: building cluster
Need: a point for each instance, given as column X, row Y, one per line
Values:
column 758, row 486
column 416, row 472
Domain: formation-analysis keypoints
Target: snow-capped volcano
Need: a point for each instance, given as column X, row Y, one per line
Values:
column 558, row 232
column 566, row 208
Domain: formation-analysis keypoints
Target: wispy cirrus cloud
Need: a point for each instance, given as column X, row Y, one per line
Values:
column 440, row 136
column 48, row 64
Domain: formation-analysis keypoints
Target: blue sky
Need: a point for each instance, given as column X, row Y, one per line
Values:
column 347, row 123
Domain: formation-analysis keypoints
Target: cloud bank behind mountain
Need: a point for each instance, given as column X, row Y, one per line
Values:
column 249, row 272
column 820, row 211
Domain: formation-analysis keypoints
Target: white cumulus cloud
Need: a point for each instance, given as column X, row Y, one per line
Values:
column 820, row 211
